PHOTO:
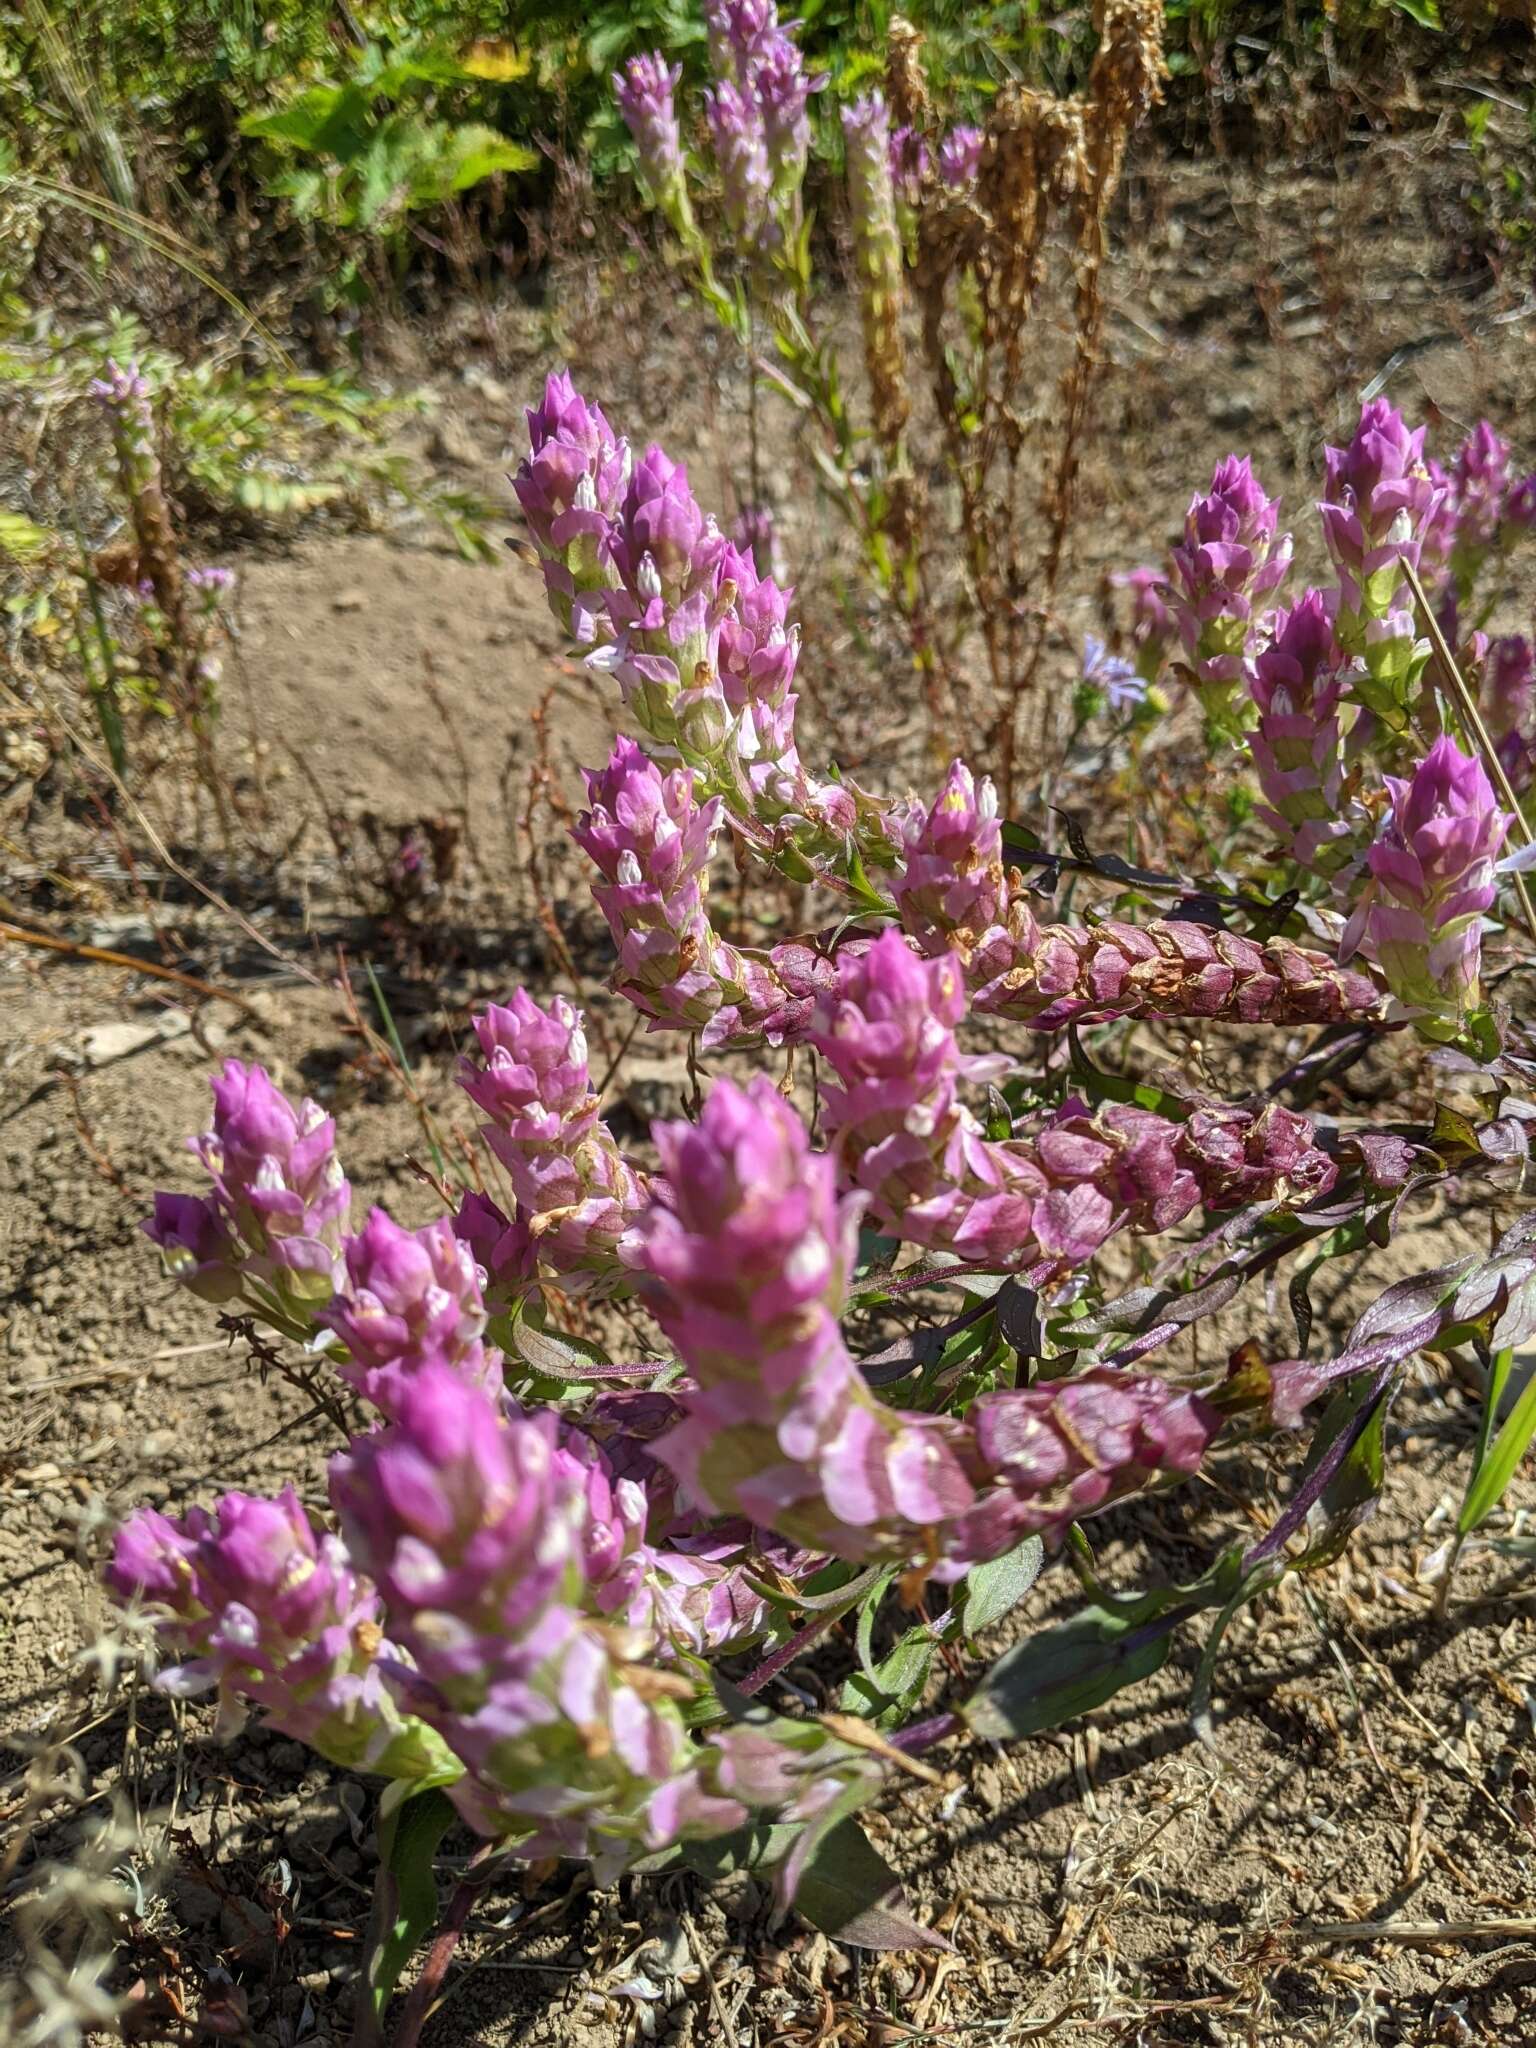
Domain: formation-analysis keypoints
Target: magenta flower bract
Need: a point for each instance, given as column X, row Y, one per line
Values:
column 273, row 1222
column 257, row 1606
column 498, row 1552
column 741, row 32
column 745, row 1258
column 783, row 88
column 1509, row 697
column 740, row 142
column 652, row 843
column 746, row 1262
column 1381, row 501
column 1154, row 628
column 502, row 1247
column 1067, row 1449
column 644, row 90
column 1298, row 684
column 911, row 164
column 576, row 1193
column 960, row 156
column 1433, row 870
column 698, row 639
column 570, row 487
column 198, row 1246
column 955, row 892
column 411, row 1298
column 1510, row 685
column 472, row 1526
column 1482, row 510
column 952, row 884
column 1043, row 1202
column 1231, row 558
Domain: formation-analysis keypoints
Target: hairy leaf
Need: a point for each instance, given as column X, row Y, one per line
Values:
column 991, row 1590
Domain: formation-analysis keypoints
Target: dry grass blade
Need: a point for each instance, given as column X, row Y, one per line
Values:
column 1409, row 1933
column 1467, row 705
column 18, row 935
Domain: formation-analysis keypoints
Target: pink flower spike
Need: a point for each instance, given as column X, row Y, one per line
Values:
column 1433, row 879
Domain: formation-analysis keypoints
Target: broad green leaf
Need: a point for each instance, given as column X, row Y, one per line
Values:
column 885, row 1693
column 1066, row 1671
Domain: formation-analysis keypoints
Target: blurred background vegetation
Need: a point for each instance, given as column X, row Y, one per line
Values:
column 380, row 138
column 239, row 194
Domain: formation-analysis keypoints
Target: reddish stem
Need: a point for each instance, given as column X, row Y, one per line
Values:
column 786, row 1653
column 424, row 1992
column 927, row 1734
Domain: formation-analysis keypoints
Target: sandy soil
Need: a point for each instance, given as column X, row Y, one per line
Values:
column 1116, row 1881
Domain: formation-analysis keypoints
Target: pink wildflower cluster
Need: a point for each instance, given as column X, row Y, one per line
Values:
column 258, row 1606
column 273, row 1221
column 514, row 1670
column 1380, row 510
column 954, row 893
column 1432, row 881
column 652, row 842
column 576, row 1193
column 1232, row 557
column 515, row 1602
column 644, row 90
column 700, row 643
column 1043, row 1203
column 1484, row 508
column 746, row 1259
column 1299, row 684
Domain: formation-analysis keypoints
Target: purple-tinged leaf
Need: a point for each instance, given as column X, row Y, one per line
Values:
column 851, row 1893
column 1407, row 1303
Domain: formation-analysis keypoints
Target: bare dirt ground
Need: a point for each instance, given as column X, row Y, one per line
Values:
column 1115, row 1882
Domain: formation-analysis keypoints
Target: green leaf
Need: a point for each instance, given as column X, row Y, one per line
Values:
column 885, row 1693
column 1425, row 12
column 554, row 1353
column 850, row 1892
column 992, row 1589
column 476, row 153
column 22, row 539
column 1066, row 1671
column 1205, row 1674
column 1498, row 1464
column 756, row 1846
column 406, row 1888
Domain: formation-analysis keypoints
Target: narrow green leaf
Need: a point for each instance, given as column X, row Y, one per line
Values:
column 554, row 1353
column 408, row 1842
column 1351, row 1495
column 1503, row 1455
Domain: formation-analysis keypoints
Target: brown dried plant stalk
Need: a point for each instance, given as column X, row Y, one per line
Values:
column 1048, row 174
